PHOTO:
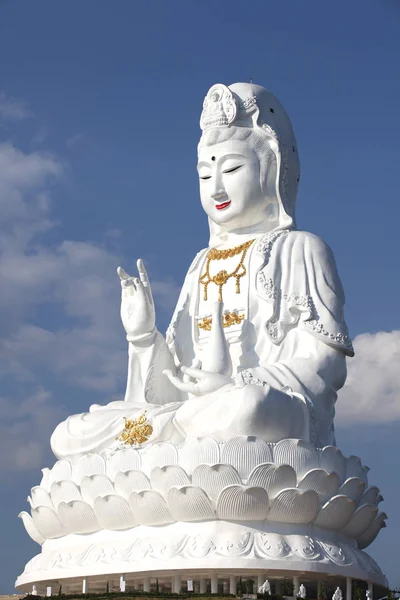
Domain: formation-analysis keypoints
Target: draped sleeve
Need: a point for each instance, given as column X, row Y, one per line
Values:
column 301, row 281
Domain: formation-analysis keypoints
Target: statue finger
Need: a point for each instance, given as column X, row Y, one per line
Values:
column 129, row 283
column 144, row 278
column 196, row 363
column 194, row 373
column 189, row 387
column 122, row 274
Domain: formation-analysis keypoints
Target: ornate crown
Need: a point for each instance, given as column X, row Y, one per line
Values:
column 221, row 108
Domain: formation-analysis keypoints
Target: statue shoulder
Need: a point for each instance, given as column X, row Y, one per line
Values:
column 294, row 247
column 308, row 244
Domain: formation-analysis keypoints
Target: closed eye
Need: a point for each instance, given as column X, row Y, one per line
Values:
column 233, row 169
column 205, row 177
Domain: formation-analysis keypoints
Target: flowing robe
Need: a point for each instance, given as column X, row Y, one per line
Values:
column 292, row 342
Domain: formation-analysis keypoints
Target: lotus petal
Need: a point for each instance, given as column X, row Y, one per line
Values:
column 326, row 485
column 273, row 478
column 371, row 496
column 336, row 513
column 89, row 464
column 244, row 453
column 64, row 491
column 113, row 512
column 213, row 479
column 158, row 455
column 45, row 479
column 190, row 503
column 294, row 506
column 131, row 481
column 78, row 517
column 94, row 486
column 242, row 503
column 40, row 497
column 125, row 459
column 164, row 478
column 61, row 471
column 197, row 452
column 47, row 522
column 355, row 468
column 299, row 454
column 361, row 520
column 368, row 536
column 150, row 508
column 353, row 488
column 31, row 528
column 333, row 461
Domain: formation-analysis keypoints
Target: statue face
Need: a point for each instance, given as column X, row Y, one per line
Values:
column 230, row 187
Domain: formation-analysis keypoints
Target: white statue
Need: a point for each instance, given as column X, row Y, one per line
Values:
column 369, row 595
column 338, row 594
column 265, row 588
column 302, row 593
column 221, row 455
column 257, row 343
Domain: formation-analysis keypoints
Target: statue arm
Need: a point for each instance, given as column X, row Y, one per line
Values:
column 316, row 372
column 313, row 370
column 146, row 363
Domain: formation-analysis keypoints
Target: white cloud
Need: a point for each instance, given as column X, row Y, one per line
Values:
column 12, row 109
column 83, row 345
column 372, row 391
column 86, row 347
column 25, row 427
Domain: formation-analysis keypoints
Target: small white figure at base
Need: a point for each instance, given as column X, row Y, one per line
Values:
column 338, row 594
column 265, row 588
column 368, row 595
column 302, row 591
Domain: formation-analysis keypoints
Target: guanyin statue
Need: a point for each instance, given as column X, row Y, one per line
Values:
column 221, row 460
column 258, row 341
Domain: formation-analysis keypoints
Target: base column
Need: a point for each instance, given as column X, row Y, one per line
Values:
column 85, row 586
column 214, row 583
column 371, row 591
column 146, row 584
column 296, row 585
column 349, row 583
column 232, row 585
column 178, row 584
column 203, row 586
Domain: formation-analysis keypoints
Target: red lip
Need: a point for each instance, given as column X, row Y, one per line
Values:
column 222, row 205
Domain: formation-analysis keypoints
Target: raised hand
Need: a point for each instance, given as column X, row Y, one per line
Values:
column 137, row 305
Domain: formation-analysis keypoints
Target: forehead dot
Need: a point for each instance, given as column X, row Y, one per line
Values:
column 213, row 158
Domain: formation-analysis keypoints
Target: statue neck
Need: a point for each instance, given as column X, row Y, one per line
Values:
column 222, row 238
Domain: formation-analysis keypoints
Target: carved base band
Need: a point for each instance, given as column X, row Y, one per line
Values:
column 213, row 546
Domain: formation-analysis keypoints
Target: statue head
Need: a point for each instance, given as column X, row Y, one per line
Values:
column 248, row 161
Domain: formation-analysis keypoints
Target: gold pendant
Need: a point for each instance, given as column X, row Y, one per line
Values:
column 228, row 319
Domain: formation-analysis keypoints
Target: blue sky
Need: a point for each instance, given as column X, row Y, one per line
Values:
column 99, row 110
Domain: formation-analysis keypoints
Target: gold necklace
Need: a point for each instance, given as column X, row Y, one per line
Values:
column 222, row 276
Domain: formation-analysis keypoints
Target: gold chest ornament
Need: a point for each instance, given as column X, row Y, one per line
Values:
column 223, row 276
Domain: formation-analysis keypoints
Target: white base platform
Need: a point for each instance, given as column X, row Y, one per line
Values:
column 212, row 547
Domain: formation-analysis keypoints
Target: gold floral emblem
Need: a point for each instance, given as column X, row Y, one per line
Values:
column 137, row 431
